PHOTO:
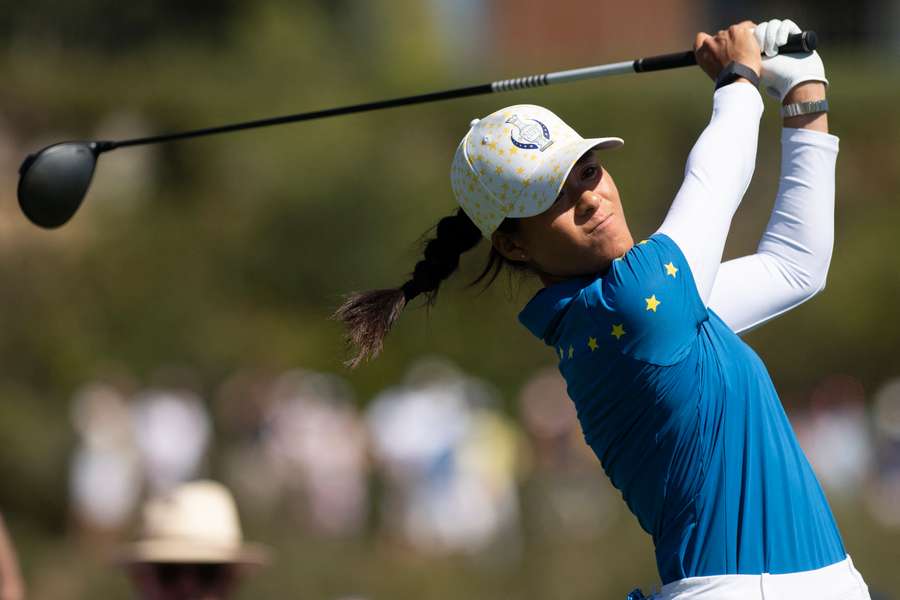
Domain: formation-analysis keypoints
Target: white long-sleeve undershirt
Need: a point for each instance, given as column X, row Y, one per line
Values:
column 791, row 262
column 716, row 175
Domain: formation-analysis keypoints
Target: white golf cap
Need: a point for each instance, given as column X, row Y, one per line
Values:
column 197, row 522
column 513, row 163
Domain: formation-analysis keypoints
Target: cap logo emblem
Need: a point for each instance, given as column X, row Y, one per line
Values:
column 529, row 134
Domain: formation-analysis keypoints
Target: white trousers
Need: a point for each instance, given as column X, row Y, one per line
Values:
column 840, row 581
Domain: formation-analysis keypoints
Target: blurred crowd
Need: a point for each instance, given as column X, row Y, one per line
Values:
column 433, row 464
column 853, row 443
column 449, row 465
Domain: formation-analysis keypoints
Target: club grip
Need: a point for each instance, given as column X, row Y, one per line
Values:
column 804, row 41
column 665, row 61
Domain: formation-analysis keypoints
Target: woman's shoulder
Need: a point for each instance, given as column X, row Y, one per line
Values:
column 649, row 300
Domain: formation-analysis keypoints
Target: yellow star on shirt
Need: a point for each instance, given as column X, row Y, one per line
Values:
column 592, row 343
column 571, row 351
column 671, row 269
column 618, row 330
column 561, row 355
column 652, row 302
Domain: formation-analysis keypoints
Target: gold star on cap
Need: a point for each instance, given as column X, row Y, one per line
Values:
column 618, row 330
column 571, row 351
column 671, row 269
column 652, row 302
column 592, row 343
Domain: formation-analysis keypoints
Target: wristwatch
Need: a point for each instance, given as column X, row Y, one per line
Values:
column 735, row 70
column 804, row 108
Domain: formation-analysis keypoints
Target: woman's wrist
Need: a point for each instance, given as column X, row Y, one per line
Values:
column 807, row 92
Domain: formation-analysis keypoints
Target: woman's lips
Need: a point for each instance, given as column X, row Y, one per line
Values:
column 599, row 224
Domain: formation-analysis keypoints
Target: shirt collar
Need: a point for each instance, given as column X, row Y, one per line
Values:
column 544, row 310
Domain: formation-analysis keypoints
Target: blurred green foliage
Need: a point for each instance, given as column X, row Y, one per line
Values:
column 234, row 250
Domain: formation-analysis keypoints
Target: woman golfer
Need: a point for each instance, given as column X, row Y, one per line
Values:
column 681, row 413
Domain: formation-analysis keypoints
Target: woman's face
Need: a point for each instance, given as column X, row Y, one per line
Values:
column 580, row 234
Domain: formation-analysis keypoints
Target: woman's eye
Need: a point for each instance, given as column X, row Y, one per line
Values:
column 590, row 172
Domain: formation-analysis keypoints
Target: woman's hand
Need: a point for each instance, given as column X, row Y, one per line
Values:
column 737, row 43
column 783, row 73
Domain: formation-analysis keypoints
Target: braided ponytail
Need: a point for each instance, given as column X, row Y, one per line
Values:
column 369, row 316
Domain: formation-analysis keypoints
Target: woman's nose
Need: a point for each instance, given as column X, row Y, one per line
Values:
column 588, row 202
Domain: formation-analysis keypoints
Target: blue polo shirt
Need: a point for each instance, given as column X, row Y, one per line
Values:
column 685, row 420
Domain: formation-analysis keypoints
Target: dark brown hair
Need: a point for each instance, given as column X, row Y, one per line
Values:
column 370, row 315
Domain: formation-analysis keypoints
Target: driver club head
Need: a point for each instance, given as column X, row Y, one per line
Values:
column 54, row 181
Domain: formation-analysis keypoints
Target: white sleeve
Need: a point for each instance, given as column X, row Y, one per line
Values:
column 717, row 173
column 791, row 261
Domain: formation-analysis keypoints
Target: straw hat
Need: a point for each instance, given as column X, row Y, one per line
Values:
column 196, row 522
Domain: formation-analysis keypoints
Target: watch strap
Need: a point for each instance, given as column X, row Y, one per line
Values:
column 734, row 70
column 804, row 108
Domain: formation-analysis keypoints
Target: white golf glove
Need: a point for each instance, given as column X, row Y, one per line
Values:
column 781, row 72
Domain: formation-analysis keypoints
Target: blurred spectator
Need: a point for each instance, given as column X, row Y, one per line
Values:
column 191, row 546
column 172, row 432
column 883, row 500
column 318, row 442
column 105, row 478
column 566, row 495
column 488, row 463
column 549, row 419
column 448, row 460
column 242, row 405
column 12, row 587
column 834, row 433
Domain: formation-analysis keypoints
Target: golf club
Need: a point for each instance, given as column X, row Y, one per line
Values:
column 54, row 180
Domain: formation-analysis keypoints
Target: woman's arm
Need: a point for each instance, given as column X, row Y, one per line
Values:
column 792, row 259
column 718, row 171
column 720, row 165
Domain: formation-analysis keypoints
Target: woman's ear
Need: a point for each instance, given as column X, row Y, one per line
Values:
column 509, row 246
